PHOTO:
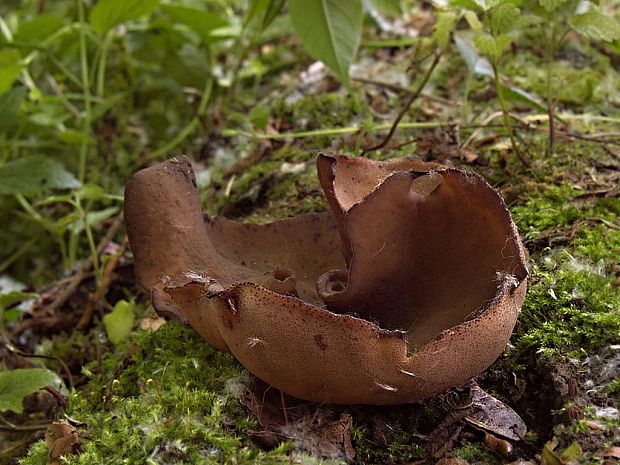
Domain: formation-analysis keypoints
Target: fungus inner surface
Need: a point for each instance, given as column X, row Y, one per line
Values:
column 409, row 246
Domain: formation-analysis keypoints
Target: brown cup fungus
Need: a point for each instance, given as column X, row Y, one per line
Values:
column 411, row 285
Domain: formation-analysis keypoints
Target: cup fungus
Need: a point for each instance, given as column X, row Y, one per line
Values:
column 410, row 286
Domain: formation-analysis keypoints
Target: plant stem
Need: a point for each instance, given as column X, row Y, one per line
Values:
column 86, row 130
column 507, row 124
column 15, row 255
column 89, row 236
column 550, row 105
column 412, row 97
column 105, row 46
column 86, row 91
column 331, row 131
column 204, row 100
column 37, row 218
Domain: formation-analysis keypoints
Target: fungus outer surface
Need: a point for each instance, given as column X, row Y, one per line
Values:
column 411, row 285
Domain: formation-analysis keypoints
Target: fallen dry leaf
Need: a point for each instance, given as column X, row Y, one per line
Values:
column 62, row 441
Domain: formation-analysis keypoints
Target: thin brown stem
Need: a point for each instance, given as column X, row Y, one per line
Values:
column 11, row 348
column 102, row 288
column 412, row 97
column 398, row 88
column 6, row 425
column 507, row 124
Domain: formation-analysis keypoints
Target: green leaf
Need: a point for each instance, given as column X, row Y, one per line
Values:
column 74, row 137
column 492, row 46
column 466, row 4
column 265, row 9
column 13, row 297
column 272, row 12
column 473, row 21
column 110, row 13
column 486, row 5
column 10, row 67
column 387, row 7
column 259, row 116
column 481, row 66
column 502, row 42
column 330, row 30
column 33, row 174
column 444, row 27
column 593, row 24
column 94, row 218
column 516, row 94
column 503, row 18
column 551, row 5
column 526, row 20
column 9, row 105
column 119, row 321
column 17, row 384
column 200, row 21
column 36, row 30
column 257, row 9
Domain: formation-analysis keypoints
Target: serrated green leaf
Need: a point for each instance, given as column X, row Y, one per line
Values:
column 593, row 24
column 10, row 67
column 502, row 42
column 17, row 384
column 473, row 21
column 387, row 7
column 330, row 30
column 9, row 105
column 466, row 4
column 485, row 43
column 481, row 66
column 526, row 20
column 36, row 30
column 551, row 5
column 200, row 21
column 108, row 14
column 503, row 18
column 444, row 27
column 33, row 174
column 492, row 46
column 486, row 5
column 119, row 321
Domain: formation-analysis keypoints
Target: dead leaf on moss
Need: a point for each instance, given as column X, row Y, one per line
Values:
column 451, row 461
column 62, row 441
column 152, row 323
column 570, row 455
column 613, row 452
column 316, row 429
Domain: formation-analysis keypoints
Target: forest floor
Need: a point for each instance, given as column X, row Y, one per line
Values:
column 160, row 394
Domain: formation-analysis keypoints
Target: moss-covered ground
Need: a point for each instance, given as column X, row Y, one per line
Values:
column 164, row 396
column 168, row 397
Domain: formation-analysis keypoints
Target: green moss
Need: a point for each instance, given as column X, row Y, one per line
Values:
column 322, row 110
column 568, row 309
column 475, row 453
column 583, row 224
column 174, row 400
column 283, row 185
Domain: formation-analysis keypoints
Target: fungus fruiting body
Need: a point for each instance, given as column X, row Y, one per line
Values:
column 409, row 286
